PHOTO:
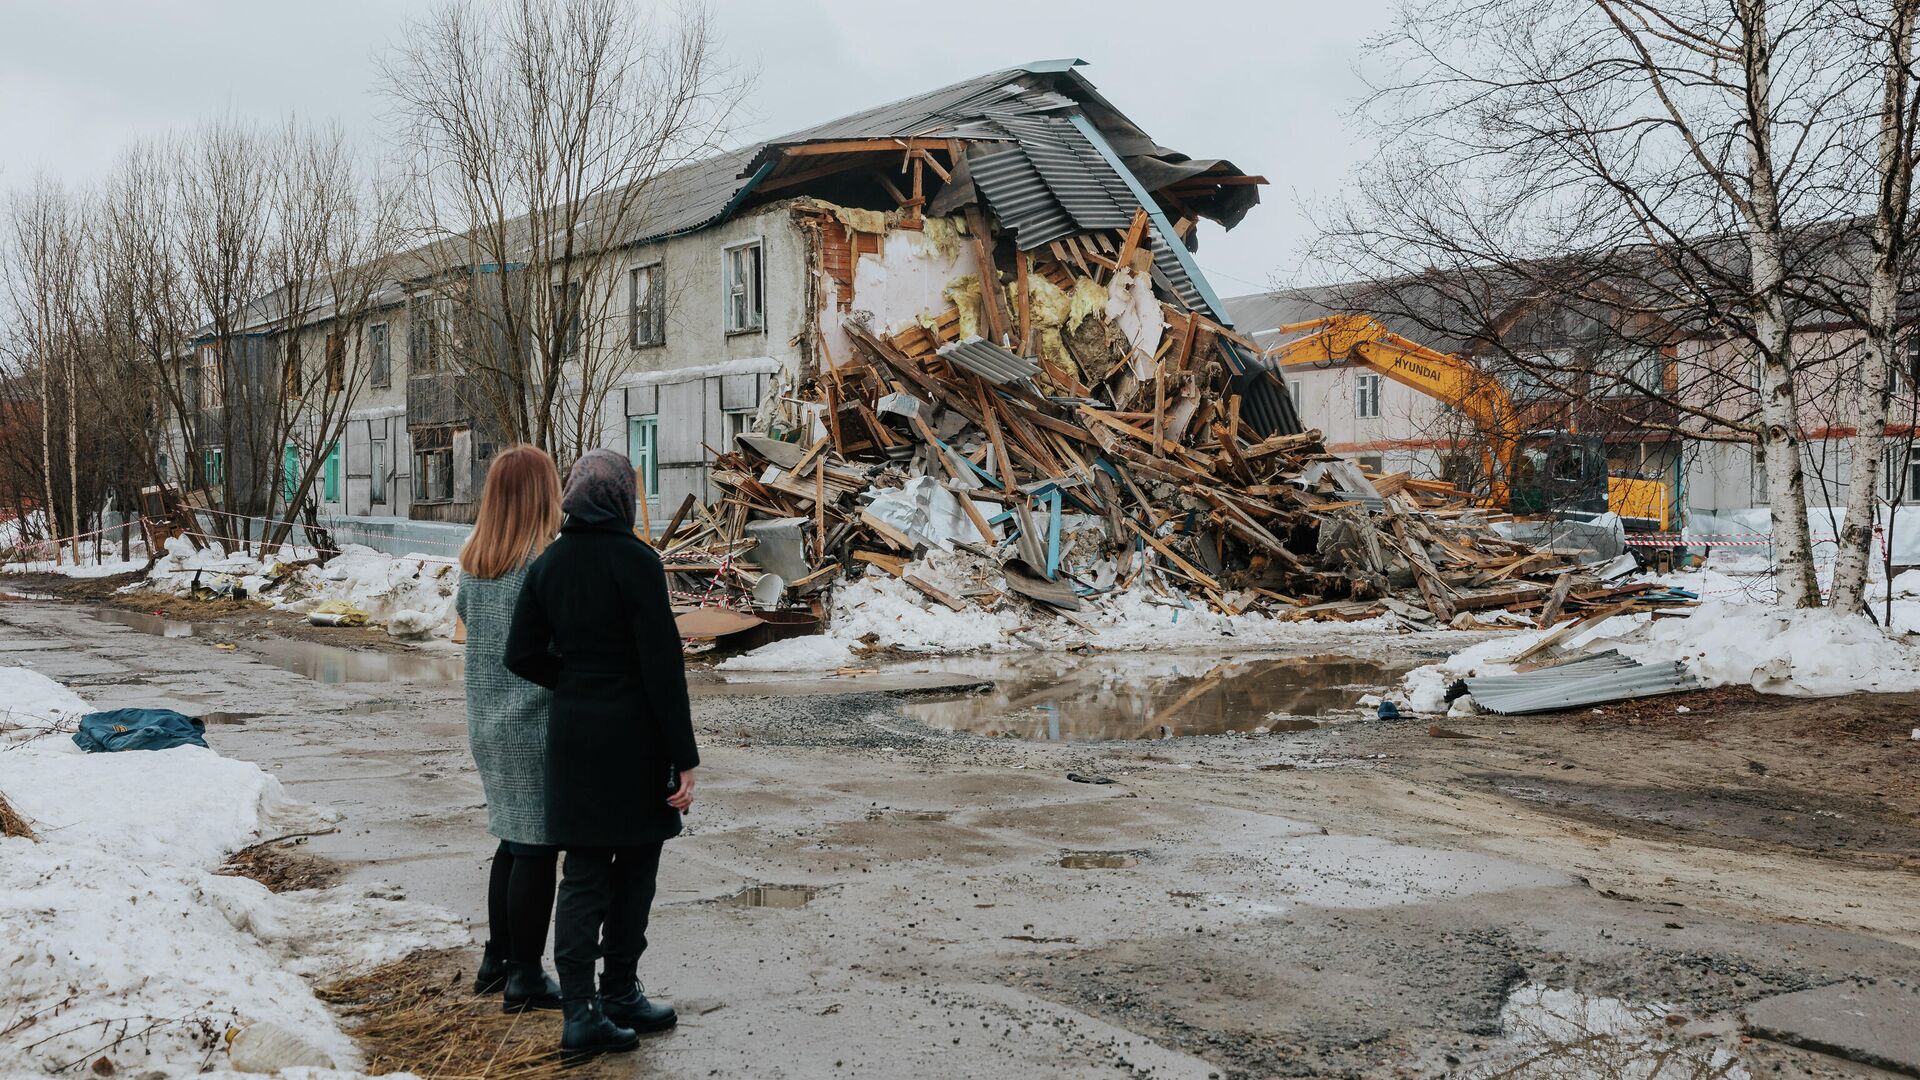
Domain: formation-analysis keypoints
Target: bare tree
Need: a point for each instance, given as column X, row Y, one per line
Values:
column 1888, row 29
column 44, row 278
column 536, row 136
column 1655, row 160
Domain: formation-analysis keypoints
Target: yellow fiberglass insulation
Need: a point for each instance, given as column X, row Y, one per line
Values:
column 944, row 232
column 1089, row 298
column 964, row 291
column 866, row 221
column 1048, row 308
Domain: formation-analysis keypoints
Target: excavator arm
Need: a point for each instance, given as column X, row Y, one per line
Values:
column 1442, row 376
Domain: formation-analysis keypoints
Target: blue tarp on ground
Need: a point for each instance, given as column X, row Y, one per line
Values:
column 138, row 729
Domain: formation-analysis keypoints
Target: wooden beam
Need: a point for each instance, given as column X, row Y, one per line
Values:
column 991, row 293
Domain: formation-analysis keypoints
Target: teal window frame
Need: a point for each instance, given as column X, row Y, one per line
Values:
column 643, row 449
column 213, row 466
column 290, row 474
column 330, row 475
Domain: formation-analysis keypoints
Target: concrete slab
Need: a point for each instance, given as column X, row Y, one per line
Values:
column 1875, row 1024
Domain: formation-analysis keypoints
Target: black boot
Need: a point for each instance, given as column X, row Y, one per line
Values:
column 529, row 987
column 588, row 1032
column 492, row 975
column 631, row 1009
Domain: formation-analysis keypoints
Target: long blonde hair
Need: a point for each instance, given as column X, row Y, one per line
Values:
column 519, row 512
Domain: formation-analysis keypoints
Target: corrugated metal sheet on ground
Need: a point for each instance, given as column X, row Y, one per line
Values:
column 989, row 361
column 1593, row 680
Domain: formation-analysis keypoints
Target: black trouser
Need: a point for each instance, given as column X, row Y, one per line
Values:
column 520, row 900
column 606, row 895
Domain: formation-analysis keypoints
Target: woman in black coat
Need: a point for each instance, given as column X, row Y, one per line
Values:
column 594, row 625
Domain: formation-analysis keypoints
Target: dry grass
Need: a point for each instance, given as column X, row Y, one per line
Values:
column 280, row 869
column 11, row 823
column 420, row 1015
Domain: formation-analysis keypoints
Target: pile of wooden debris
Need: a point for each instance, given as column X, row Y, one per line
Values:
column 1112, row 449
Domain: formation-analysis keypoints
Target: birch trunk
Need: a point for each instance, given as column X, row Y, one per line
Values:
column 1793, row 572
column 46, row 454
column 73, row 459
column 1873, row 396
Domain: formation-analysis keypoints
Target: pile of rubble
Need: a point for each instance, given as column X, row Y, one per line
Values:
column 1115, row 447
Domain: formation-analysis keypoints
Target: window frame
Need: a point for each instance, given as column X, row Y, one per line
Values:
column 212, row 380
column 213, row 466
column 650, row 317
column 567, row 294
column 436, row 443
column 1366, row 390
column 377, row 470
column 379, row 354
column 645, row 454
column 335, row 352
column 753, row 291
column 330, row 474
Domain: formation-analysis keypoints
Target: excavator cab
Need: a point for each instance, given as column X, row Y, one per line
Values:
column 1560, row 474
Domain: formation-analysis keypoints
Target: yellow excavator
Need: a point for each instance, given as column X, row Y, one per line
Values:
column 1527, row 472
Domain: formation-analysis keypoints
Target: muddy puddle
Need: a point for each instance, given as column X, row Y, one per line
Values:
column 316, row 661
column 1135, row 696
column 1550, row 1032
column 771, row 896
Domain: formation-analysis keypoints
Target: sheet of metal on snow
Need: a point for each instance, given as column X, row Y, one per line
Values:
column 989, row 361
column 1592, row 681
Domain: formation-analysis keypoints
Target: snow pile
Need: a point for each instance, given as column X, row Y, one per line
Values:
column 119, row 941
column 885, row 612
column 412, row 595
column 1816, row 652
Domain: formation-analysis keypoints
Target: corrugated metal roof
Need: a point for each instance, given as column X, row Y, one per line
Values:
column 989, row 361
column 1093, row 194
column 1020, row 198
column 1593, row 680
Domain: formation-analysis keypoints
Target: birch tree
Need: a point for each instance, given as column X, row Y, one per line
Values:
column 1886, row 32
column 1651, row 157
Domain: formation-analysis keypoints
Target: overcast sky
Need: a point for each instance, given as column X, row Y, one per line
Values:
column 1267, row 84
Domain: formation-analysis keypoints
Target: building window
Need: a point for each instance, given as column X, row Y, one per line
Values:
column 433, row 465
column 738, row 422
column 1373, row 463
column 1366, row 396
column 646, row 324
column 336, row 362
column 290, row 366
column 330, row 476
column 742, row 279
column 377, row 462
column 289, row 474
column 163, row 466
column 213, row 466
column 379, row 356
column 212, row 395
column 429, row 334
column 643, row 449
column 566, row 319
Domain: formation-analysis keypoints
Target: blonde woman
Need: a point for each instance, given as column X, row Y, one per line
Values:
column 507, row 724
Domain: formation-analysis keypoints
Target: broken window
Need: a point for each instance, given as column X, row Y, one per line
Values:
column 379, row 356
column 1366, row 396
column 566, row 319
column 336, row 362
column 742, row 278
column 429, row 334
column 646, row 321
column 213, row 467
column 211, row 382
column 290, row 366
column 433, row 464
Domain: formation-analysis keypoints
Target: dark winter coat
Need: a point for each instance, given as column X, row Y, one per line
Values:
column 594, row 624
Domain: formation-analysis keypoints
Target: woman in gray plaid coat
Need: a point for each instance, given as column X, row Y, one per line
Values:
column 507, row 724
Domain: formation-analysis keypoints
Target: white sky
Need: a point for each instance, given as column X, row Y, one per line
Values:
column 1267, row 84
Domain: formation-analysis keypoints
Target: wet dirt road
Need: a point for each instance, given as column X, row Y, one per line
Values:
column 864, row 892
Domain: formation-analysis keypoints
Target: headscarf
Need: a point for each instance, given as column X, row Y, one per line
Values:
column 600, row 491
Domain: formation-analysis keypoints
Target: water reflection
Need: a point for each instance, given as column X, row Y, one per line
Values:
column 315, row 660
column 1148, row 697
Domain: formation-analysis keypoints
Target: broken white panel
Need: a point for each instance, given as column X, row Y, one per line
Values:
column 924, row 510
column 906, row 279
column 1132, row 309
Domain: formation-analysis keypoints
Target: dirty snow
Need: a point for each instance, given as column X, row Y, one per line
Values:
column 1817, row 652
column 412, row 595
column 121, row 943
column 885, row 612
